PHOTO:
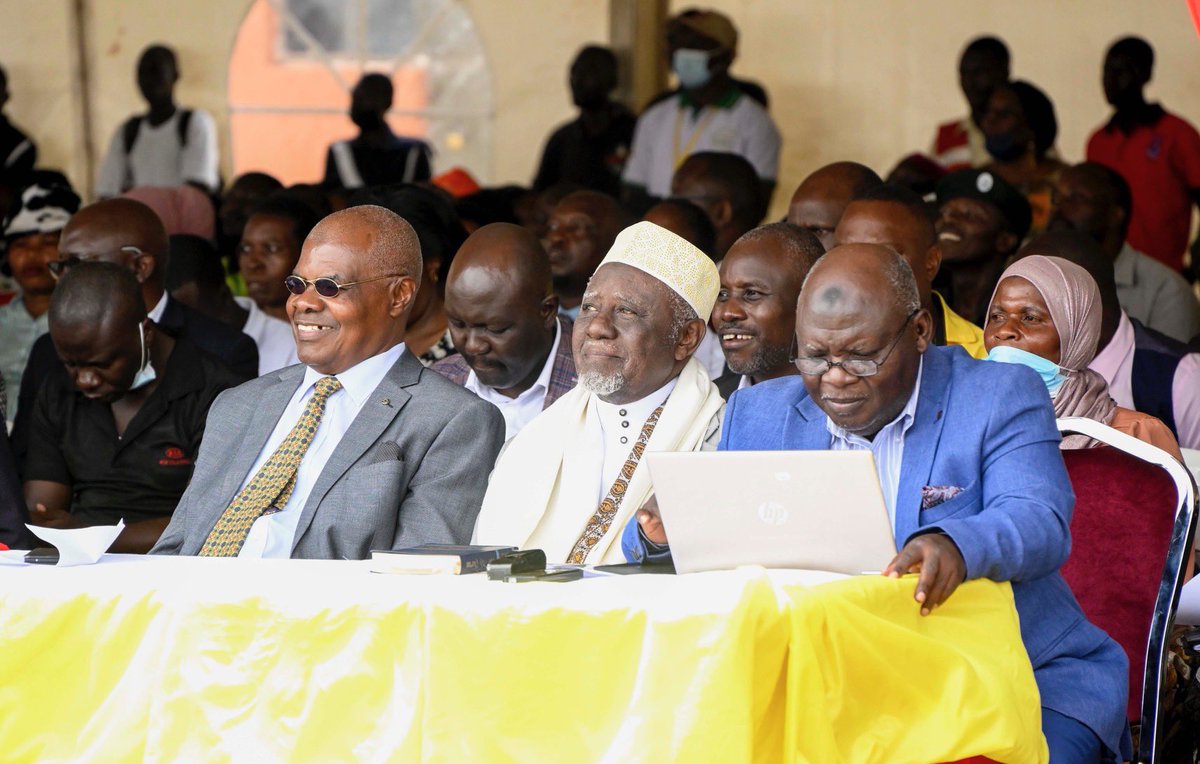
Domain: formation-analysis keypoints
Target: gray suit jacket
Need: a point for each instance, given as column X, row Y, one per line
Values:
column 412, row 468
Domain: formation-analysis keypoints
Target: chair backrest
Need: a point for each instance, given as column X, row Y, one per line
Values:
column 1130, row 536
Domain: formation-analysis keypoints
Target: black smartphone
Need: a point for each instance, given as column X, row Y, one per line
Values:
column 44, row 555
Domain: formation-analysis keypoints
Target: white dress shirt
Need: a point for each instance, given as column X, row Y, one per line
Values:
column 521, row 410
column 276, row 346
column 272, row 534
column 887, row 447
column 159, row 308
column 620, row 426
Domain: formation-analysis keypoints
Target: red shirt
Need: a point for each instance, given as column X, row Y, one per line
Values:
column 1161, row 163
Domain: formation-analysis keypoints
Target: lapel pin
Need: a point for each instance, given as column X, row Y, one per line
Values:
column 387, row 401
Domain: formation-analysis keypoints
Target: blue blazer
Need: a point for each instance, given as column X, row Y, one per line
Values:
column 986, row 428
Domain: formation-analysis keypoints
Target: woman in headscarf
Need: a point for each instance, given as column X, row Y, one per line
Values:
column 1045, row 314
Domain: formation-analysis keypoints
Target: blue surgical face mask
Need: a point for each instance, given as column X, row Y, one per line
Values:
column 691, row 67
column 146, row 374
column 1052, row 376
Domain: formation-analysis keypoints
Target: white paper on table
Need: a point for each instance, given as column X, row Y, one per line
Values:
column 79, row 546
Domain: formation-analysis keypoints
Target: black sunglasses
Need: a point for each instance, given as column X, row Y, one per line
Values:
column 62, row 265
column 326, row 287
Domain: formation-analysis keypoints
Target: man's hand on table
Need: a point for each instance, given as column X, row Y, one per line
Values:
column 52, row 517
column 651, row 522
column 940, row 565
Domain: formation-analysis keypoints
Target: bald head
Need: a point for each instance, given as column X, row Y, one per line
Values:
column 509, row 255
column 379, row 239
column 859, row 306
column 823, row 196
column 121, row 231
column 500, row 307
column 96, row 294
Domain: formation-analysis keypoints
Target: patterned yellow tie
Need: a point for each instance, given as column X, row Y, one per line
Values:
column 273, row 484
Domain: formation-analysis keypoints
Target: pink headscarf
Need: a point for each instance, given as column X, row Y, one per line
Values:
column 182, row 209
column 1073, row 300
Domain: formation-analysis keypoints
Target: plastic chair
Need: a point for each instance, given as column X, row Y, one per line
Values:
column 1127, row 576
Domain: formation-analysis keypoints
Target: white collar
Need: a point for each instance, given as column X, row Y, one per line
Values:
column 157, row 311
column 1110, row 357
column 543, row 381
column 904, row 418
column 360, row 380
column 745, row 382
column 635, row 412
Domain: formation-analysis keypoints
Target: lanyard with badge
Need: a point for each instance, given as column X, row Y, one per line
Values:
column 681, row 156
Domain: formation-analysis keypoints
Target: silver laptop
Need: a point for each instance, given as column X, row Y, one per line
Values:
column 816, row 510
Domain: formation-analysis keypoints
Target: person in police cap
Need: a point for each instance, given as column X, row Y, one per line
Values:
column 981, row 221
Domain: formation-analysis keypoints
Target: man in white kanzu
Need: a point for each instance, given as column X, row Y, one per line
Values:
column 571, row 479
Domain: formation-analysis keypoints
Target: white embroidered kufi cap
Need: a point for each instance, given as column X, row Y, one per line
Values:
column 670, row 259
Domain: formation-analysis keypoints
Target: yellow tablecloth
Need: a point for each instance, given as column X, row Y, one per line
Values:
column 228, row 660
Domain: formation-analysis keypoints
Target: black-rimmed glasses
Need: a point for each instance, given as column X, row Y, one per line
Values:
column 58, row 268
column 857, row 367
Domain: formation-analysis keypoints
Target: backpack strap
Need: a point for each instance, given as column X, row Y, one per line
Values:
column 129, row 133
column 185, row 119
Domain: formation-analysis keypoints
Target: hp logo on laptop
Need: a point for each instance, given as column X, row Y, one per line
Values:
column 772, row 513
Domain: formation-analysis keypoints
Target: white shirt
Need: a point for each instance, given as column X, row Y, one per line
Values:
column 710, row 355
column 272, row 535
column 276, row 346
column 887, row 447
column 521, row 410
column 159, row 308
column 746, row 382
column 158, row 158
column 671, row 130
column 620, row 426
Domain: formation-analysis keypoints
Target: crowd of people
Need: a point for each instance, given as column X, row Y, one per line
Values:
column 392, row 357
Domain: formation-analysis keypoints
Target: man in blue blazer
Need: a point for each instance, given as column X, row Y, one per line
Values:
column 968, row 458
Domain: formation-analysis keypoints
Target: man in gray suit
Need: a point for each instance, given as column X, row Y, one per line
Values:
column 358, row 448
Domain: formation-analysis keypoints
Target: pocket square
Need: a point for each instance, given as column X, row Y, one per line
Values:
column 387, row 451
column 933, row 495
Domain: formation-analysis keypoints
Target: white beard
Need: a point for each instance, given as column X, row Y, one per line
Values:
column 602, row 384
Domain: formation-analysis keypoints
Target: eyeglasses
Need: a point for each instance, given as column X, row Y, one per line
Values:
column 326, row 287
column 58, row 268
column 857, row 367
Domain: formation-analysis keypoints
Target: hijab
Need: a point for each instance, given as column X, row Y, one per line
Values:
column 1073, row 299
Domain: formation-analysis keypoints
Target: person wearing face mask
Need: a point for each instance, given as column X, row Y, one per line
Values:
column 1019, row 127
column 710, row 112
column 377, row 156
column 117, row 436
column 1045, row 314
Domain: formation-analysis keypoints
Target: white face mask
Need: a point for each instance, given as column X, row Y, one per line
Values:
column 691, row 67
column 146, row 373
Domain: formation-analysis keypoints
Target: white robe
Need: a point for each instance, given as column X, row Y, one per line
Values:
column 529, row 504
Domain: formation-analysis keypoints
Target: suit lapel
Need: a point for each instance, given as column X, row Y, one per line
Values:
column 804, row 429
column 921, row 441
column 267, row 411
column 562, row 373
column 383, row 405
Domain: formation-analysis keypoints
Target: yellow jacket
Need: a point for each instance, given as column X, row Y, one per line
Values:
column 960, row 331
